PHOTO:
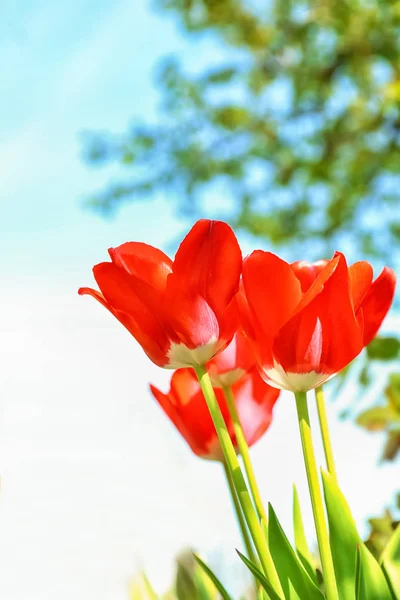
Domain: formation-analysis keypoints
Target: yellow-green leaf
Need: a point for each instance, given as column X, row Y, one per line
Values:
column 295, row 581
column 390, row 560
column 302, row 548
column 371, row 584
column 344, row 538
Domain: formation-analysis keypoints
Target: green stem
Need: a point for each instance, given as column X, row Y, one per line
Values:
column 239, row 516
column 326, row 438
column 238, row 480
column 244, row 451
column 316, row 497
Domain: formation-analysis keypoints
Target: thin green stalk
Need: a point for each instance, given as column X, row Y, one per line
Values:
column 326, row 438
column 244, row 451
column 240, row 518
column 239, row 483
column 316, row 497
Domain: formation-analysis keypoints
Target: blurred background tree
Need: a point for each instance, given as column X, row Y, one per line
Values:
column 290, row 130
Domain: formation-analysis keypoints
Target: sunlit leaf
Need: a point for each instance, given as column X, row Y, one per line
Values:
column 214, row 579
column 384, row 348
column 302, row 548
column 265, row 584
column 344, row 538
column 371, row 583
column 376, row 418
column 296, row 582
column 390, row 561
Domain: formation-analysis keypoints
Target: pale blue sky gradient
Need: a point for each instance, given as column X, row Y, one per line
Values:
column 95, row 481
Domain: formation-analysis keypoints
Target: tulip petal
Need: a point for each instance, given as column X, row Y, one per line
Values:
column 377, row 302
column 120, row 291
column 194, row 323
column 272, row 291
column 325, row 335
column 96, row 294
column 361, row 274
column 319, row 282
column 168, row 404
column 207, row 264
column 254, row 401
column 244, row 313
column 232, row 363
column 307, row 272
column 145, row 262
column 187, row 409
column 148, row 343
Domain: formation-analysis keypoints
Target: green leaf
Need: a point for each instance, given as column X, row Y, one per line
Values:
column 376, row 418
column 262, row 580
column 302, row 548
column 149, row 588
column 296, row 582
column 371, row 584
column 141, row 589
column 214, row 578
column 206, row 590
column 384, row 348
column 390, row 560
column 392, row 446
column 393, row 391
column 344, row 538
column 185, row 585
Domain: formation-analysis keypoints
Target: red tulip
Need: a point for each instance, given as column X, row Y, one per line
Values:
column 185, row 406
column 181, row 312
column 233, row 363
column 308, row 321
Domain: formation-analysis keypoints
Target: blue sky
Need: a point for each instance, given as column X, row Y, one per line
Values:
column 68, row 69
column 95, row 482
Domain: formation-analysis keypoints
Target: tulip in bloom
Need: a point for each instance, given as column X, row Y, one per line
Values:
column 181, row 312
column 306, row 321
column 184, row 404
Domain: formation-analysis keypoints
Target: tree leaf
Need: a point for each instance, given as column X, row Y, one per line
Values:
column 384, row 348
column 393, row 391
column 376, row 418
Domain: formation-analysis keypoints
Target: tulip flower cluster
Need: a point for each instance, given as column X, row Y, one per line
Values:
column 236, row 332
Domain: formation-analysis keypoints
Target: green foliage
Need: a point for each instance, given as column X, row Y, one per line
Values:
column 386, row 417
column 141, row 589
column 298, row 116
column 391, row 563
column 371, row 581
column 265, row 584
column 344, row 538
column 296, row 582
column 358, row 574
column 185, row 583
column 384, row 348
column 361, row 574
column 302, row 548
column 382, row 529
column 218, row 585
